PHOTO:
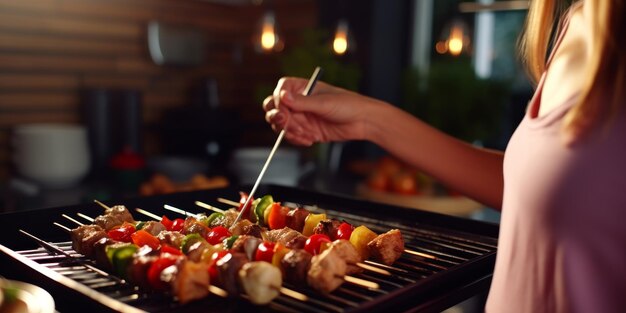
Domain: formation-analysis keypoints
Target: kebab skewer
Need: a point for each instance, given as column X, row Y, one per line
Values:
column 188, row 279
column 284, row 237
column 385, row 248
column 248, row 268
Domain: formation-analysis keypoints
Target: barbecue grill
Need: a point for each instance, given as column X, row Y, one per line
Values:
column 453, row 258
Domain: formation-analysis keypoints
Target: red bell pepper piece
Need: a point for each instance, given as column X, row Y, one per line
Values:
column 143, row 238
column 213, row 274
column 242, row 201
column 154, row 272
column 167, row 249
column 177, row 224
column 122, row 232
column 167, row 222
column 277, row 218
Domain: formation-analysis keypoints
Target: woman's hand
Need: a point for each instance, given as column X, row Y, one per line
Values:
column 328, row 114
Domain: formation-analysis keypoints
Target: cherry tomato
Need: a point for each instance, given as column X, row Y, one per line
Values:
column 122, row 233
column 217, row 235
column 277, row 218
column 166, row 222
column 313, row 245
column 177, row 224
column 344, row 231
column 154, row 272
column 143, row 238
column 242, row 201
column 265, row 252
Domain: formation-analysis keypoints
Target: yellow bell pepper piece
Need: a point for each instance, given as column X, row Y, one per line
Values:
column 311, row 221
column 360, row 237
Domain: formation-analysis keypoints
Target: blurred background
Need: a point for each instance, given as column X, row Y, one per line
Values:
column 102, row 99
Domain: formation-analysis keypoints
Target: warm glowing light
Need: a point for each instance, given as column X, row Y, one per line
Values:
column 441, row 47
column 455, row 43
column 340, row 43
column 454, row 39
column 268, row 37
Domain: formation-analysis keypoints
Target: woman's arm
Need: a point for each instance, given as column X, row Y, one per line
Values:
column 473, row 171
column 335, row 114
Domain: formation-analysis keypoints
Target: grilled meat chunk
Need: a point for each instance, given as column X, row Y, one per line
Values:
column 327, row 227
column 247, row 245
column 84, row 237
column 296, row 264
column 239, row 228
column 191, row 281
column 100, row 254
column 138, row 269
column 197, row 249
column 114, row 216
column 153, row 227
column 348, row 253
column 261, row 281
column 327, row 271
column 253, row 230
column 229, row 217
column 387, row 247
column 296, row 217
column 193, row 226
column 297, row 242
column 171, row 238
column 228, row 268
column 282, row 236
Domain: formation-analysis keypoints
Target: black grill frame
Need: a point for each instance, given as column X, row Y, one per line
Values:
column 474, row 241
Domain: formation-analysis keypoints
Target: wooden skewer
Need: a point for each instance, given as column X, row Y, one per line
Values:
column 67, row 229
column 209, row 207
column 72, row 219
column 179, row 211
column 373, row 269
column 229, row 202
column 291, row 293
column 89, row 218
column 360, row 282
column 149, row 214
column 104, row 206
column 424, row 255
column 217, row 291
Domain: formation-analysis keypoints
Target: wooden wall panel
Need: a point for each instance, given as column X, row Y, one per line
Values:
column 51, row 50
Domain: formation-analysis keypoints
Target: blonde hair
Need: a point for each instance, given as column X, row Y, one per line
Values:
column 603, row 92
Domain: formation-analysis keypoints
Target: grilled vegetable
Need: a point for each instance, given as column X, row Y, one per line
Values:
column 261, row 206
column 311, row 221
column 122, row 233
column 260, row 281
column 315, row 244
column 188, row 241
column 217, row 234
column 359, row 238
column 143, row 238
column 277, row 216
column 121, row 258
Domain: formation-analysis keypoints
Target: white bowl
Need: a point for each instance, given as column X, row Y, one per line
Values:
column 284, row 168
column 53, row 155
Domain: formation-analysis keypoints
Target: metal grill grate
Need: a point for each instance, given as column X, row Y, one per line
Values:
column 438, row 257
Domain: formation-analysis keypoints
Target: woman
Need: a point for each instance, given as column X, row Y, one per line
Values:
column 560, row 183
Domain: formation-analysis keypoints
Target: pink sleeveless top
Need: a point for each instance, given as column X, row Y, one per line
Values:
column 562, row 243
